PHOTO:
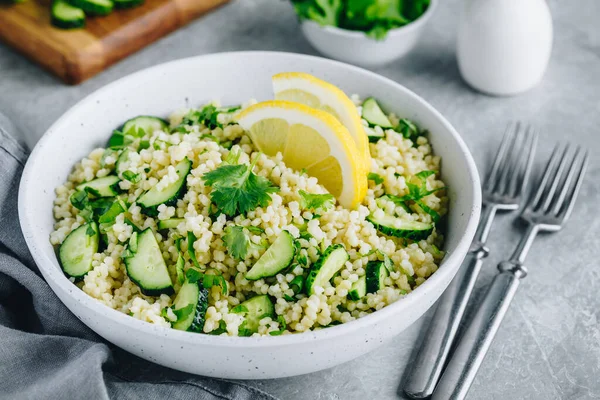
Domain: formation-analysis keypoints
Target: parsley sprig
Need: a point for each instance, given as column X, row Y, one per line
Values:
column 416, row 192
column 237, row 190
column 315, row 202
column 238, row 243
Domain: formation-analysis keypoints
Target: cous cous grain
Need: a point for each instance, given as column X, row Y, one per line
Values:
column 396, row 159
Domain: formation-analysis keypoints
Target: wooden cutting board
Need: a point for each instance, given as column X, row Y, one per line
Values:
column 75, row 55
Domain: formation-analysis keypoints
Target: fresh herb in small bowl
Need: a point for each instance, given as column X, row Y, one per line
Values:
column 374, row 17
column 368, row 33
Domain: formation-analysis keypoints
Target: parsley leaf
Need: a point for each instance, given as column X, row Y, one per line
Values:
column 282, row 326
column 239, row 309
column 372, row 176
column 79, row 199
column 209, row 281
column 220, row 330
column 207, row 116
column 118, row 140
column 236, row 241
column 237, row 190
column 243, row 331
column 132, row 177
column 116, row 208
column 90, row 231
column 193, row 275
column 184, row 312
column 408, row 129
column 316, row 201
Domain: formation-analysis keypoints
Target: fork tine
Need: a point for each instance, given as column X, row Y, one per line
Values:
column 535, row 200
column 570, row 201
column 510, row 161
column 549, row 195
column 558, row 202
column 499, row 160
column 520, row 175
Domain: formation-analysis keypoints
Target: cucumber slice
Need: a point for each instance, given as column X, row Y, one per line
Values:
column 172, row 223
column 398, row 227
column 147, row 268
column 191, row 294
column 373, row 135
column 330, row 262
column 277, row 257
column 358, row 289
column 78, row 249
column 123, row 157
column 373, row 114
column 376, row 273
column 121, row 4
column 65, row 16
column 93, row 7
column 153, row 198
column 107, row 186
column 146, row 123
column 255, row 309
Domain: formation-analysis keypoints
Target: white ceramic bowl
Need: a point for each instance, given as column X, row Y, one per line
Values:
column 234, row 78
column 357, row 48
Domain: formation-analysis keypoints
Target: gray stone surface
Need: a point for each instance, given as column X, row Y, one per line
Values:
column 549, row 344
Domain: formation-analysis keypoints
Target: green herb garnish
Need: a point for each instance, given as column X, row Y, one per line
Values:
column 237, row 190
column 375, row 17
column 316, row 201
column 372, row 176
column 282, row 326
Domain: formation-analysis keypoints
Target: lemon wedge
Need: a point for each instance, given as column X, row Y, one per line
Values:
column 309, row 139
column 314, row 92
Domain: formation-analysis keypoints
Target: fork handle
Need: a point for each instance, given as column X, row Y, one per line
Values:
column 478, row 336
column 427, row 367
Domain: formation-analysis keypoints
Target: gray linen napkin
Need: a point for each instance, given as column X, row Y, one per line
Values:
column 46, row 352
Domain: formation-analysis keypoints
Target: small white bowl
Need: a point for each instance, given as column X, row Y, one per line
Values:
column 183, row 83
column 355, row 47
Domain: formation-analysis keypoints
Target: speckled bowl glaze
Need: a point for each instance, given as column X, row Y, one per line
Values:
column 234, row 78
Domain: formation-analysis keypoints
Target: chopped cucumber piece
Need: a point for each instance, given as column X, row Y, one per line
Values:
column 254, row 310
column 77, row 250
column 358, row 289
column 153, row 198
column 172, row 223
column 190, row 306
column 330, row 262
column 277, row 257
column 373, row 135
column 107, row 186
column 373, row 114
column 398, row 227
column 120, row 4
column 376, row 273
column 146, row 123
column 94, row 7
column 147, row 268
column 65, row 16
column 123, row 157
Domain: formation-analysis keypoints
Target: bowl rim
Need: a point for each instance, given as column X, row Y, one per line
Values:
column 395, row 32
column 96, row 308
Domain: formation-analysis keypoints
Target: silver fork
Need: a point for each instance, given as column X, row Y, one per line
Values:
column 547, row 210
column 502, row 191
